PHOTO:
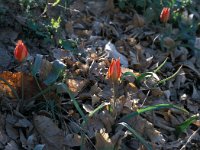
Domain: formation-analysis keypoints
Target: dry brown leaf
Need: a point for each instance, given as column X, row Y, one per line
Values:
column 76, row 85
column 96, row 7
column 8, row 34
column 197, row 123
column 195, row 94
column 138, row 20
column 11, row 146
column 69, row 27
column 15, row 80
column 191, row 66
column 72, row 140
column 51, row 135
column 180, row 79
column 5, row 59
column 157, row 92
column 24, row 123
column 3, row 137
column 95, row 99
column 31, row 141
column 11, row 131
column 45, row 69
column 117, row 139
column 94, row 125
column 107, row 120
column 22, row 138
column 59, row 53
column 109, row 7
column 146, row 129
column 169, row 42
column 103, row 141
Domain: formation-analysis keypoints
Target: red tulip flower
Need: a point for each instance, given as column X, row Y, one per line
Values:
column 164, row 16
column 20, row 51
column 114, row 71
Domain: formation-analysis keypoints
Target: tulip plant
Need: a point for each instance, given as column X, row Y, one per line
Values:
column 114, row 74
column 20, row 51
column 21, row 54
column 165, row 14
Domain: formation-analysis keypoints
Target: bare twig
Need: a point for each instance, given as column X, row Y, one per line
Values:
column 189, row 139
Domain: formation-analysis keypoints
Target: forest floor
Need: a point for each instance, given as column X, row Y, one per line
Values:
column 60, row 97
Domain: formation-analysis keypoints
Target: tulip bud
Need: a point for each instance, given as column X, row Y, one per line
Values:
column 114, row 71
column 20, row 51
column 164, row 16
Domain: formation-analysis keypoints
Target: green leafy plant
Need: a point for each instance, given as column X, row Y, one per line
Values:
column 183, row 126
column 151, row 108
column 28, row 4
column 55, row 24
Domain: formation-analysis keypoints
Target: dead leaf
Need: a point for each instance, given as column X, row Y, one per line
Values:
column 23, row 139
column 146, row 128
column 69, row 27
column 5, row 59
column 107, row 120
column 94, row 125
column 72, row 140
column 45, row 69
column 95, row 99
column 51, row 135
column 76, row 85
column 117, row 139
column 60, row 53
column 15, row 81
column 138, row 20
column 24, row 123
column 11, row 146
column 31, row 141
column 197, row 123
column 8, row 34
column 10, row 129
column 168, row 43
column 191, row 66
column 195, row 94
column 3, row 137
column 103, row 141
column 113, row 53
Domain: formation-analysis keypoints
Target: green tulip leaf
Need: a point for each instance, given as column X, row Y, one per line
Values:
column 57, row 69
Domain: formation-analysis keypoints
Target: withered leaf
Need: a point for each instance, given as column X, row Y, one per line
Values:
column 51, row 135
column 15, row 81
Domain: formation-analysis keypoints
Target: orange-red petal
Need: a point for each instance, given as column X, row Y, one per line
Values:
column 114, row 71
column 20, row 51
column 164, row 16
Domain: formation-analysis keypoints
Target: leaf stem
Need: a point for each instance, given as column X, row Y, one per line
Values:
column 170, row 77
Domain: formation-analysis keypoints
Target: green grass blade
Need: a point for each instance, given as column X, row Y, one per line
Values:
column 56, row 2
column 76, row 104
column 98, row 108
column 183, row 126
column 138, row 79
column 128, row 74
column 49, row 88
column 137, row 135
column 78, row 108
column 168, row 78
column 151, row 108
column 161, row 65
